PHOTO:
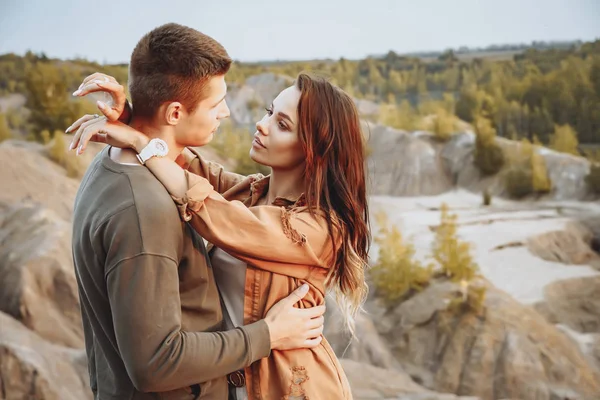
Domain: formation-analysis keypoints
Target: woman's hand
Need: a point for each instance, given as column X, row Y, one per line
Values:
column 98, row 129
column 101, row 82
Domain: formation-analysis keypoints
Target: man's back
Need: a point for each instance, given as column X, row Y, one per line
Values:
column 143, row 280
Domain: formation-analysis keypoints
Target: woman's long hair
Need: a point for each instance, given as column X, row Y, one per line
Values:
column 330, row 133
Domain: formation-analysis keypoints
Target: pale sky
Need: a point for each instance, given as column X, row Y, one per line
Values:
column 259, row 30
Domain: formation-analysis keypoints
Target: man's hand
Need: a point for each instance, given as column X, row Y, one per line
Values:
column 295, row 328
column 101, row 82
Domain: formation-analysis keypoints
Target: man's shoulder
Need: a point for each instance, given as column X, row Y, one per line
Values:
column 108, row 192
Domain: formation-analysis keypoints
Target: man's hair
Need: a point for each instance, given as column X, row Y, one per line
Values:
column 173, row 63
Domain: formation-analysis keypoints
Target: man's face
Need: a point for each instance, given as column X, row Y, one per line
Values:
column 197, row 128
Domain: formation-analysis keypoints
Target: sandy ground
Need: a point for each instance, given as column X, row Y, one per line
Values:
column 513, row 269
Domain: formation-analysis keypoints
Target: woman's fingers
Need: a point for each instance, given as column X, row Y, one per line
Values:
column 97, row 76
column 80, row 121
column 75, row 143
column 91, row 132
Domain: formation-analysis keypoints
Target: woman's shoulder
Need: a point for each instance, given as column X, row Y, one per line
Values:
column 245, row 189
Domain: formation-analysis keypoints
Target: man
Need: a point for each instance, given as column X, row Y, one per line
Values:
column 150, row 307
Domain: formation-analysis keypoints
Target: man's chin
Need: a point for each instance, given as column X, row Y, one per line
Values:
column 206, row 140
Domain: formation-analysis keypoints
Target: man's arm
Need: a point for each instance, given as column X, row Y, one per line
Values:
column 158, row 355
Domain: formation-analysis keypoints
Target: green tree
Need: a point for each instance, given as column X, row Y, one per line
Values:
column 49, row 100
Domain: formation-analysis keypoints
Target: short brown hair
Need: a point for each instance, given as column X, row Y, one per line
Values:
column 173, row 63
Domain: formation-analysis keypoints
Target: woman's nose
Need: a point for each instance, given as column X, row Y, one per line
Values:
column 261, row 126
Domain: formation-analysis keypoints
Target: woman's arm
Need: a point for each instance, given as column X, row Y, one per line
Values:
column 98, row 129
column 192, row 160
column 267, row 237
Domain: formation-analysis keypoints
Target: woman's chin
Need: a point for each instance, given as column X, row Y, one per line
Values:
column 256, row 158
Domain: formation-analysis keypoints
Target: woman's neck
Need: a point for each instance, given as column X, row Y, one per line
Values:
column 286, row 183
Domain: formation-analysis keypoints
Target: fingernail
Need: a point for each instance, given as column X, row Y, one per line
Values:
column 80, row 149
column 77, row 92
column 304, row 287
column 71, row 146
column 101, row 104
column 67, row 130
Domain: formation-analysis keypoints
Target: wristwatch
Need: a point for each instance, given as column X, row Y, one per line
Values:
column 155, row 148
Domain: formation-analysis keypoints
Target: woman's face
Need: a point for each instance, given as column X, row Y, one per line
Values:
column 276, row 143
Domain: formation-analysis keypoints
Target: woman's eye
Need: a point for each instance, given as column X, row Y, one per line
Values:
column 269, row 110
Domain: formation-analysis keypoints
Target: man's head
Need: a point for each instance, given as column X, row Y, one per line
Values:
column 176, row 79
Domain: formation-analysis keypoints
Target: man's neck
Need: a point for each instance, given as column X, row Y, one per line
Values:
column 286, row 183
column 128, row 156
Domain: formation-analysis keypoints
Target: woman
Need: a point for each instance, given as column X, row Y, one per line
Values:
column 305, row 222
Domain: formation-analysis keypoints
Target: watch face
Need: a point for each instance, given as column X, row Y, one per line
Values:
column 160, row 147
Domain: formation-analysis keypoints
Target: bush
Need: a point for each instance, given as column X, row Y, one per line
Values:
column 527, row 163
column 451, row 254
column 253, row 104
column 593, row 178
column 487, row 197
column 442, row 124
column 5, row 132
column 396, row 272
column 564, row 140
column 519, row 182
column 540, row 180
column 489, row 157
column 59, row 154
column 235, row 144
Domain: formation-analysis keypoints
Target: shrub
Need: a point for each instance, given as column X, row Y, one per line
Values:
column 59, row 154
column 396, row 272
column 442, row 125
column 451, row 254
column 519, row 182
column 564, row 139
column 489, row 157
column 487, row 197
column 235, row 144
column 527, row 164
column 593, row 178
column 5, row 132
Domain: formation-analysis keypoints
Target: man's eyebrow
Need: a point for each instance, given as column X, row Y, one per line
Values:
column 222, row 98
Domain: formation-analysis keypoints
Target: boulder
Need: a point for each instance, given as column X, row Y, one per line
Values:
column 33, row 368
column 38, row 285
column 507, row 350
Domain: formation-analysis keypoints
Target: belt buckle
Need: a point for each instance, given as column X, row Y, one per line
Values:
column 237, row 379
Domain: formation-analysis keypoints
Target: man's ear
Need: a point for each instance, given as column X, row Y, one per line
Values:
column 174, row 112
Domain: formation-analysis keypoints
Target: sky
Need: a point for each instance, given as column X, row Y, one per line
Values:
column 266, row 30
